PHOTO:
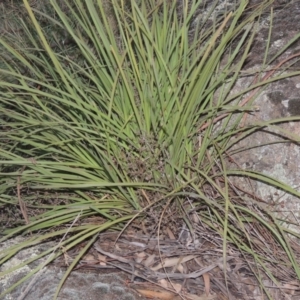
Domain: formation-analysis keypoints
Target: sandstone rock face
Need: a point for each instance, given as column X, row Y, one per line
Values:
column 86, row 285
column 280, row 99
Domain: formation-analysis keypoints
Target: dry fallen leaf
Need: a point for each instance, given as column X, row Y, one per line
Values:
column 102, row 258
column 117, row 247
column 290, row 288
column 170, row 234
column 89, row 257
column 180, row 268
column 149, row 261
column 206, row 279
column 203, row 297
column 159, row 295
column 195, row 218
column 177, row 287
column 139, row 257
column 164, row 283
column 169, row 285
column 170, row 262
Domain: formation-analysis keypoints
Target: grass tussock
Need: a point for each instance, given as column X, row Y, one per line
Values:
column 124, row 112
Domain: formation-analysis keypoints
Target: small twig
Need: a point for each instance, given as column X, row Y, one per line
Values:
column 111, row 255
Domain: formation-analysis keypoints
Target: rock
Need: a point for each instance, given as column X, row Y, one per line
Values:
column 88, row 285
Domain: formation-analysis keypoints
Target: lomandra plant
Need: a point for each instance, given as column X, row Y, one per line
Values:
column 121, row 116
